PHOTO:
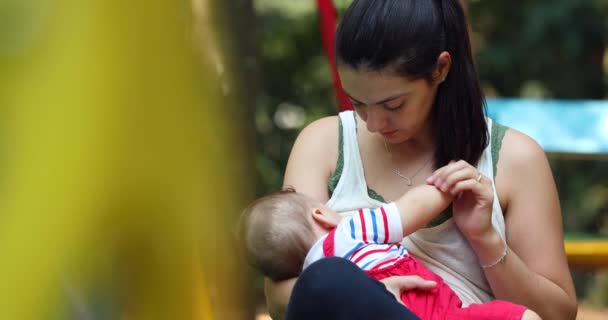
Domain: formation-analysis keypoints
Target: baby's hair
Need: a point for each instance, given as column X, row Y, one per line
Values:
column 277, row 234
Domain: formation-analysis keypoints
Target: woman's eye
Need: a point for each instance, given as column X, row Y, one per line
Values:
column 394, row 107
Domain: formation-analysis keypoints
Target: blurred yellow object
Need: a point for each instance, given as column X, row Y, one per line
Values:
column 113, row 154
column 587, row 254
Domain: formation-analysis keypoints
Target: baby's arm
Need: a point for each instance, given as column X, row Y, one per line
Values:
column 392, row 222
column 420, row 205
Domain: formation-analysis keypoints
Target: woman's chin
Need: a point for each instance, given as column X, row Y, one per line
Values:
column 394, row 138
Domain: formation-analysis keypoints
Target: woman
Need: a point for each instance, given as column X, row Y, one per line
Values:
column 408, row 69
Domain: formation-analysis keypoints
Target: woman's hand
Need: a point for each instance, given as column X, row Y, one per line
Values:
column 398, row 284
column 474, row 195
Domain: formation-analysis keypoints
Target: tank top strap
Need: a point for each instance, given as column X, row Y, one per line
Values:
column 487, row 166
column 497, row 133
column 485, row 163
column 350, row 190
column 352, row 164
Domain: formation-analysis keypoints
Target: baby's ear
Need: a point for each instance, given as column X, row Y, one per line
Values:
column 325, row 217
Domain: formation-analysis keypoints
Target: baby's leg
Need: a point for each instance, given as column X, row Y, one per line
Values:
column 530, row 315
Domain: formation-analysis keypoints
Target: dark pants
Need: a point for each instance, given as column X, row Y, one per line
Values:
column 336, row 289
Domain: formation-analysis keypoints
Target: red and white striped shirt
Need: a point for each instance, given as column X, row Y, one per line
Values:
column 370, row 238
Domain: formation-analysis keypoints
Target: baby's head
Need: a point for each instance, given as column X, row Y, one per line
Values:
column 279, row 229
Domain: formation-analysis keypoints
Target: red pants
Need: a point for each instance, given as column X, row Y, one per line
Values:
column 441, row 303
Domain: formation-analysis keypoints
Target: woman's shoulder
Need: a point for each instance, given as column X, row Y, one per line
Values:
column 313, row 158
column 521, row 159
column 518, row 149
column 323, row 124
column 321, row 132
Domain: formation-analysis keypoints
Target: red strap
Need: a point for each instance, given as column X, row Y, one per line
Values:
column 328, row 20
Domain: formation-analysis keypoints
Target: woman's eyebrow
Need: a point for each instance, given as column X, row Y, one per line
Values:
column 382, row 101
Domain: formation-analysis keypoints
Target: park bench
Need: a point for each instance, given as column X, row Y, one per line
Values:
column 574, row 128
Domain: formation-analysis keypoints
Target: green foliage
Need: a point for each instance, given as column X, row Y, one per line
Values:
column 294, row 76
column 583, row 188
column 558, row 44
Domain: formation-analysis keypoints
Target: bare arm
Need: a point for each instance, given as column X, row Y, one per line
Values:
column 535, row 272
column 313, row 159
column 420, row 205
column 311, row 163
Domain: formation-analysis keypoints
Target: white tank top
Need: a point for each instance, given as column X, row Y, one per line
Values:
column 442, row 248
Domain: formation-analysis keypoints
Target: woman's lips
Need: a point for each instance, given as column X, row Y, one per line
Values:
column 388, row 134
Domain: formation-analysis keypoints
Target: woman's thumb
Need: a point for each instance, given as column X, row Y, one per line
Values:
column 427, row 284
column 413, row 282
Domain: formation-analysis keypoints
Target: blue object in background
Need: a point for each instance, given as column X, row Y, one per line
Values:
column 559, row 126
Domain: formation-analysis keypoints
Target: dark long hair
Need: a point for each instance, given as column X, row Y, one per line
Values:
column 407, row 36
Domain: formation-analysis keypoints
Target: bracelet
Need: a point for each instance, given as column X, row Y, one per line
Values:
column 501, row 259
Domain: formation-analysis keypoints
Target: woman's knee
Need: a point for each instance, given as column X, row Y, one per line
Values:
column 325, row 276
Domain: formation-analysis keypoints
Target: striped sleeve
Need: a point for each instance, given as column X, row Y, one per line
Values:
column 347, row 241
column 380, row 225
column 394, row 228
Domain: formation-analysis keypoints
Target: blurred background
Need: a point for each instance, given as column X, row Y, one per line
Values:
column 133, row 132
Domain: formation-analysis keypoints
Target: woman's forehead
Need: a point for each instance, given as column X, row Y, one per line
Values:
column 370, row 86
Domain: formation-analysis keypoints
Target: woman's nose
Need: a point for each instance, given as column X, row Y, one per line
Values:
column 375, row 120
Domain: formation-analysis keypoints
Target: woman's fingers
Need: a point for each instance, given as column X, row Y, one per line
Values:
column 467, row 185
column 440, row 174
column 445, row 170
column 446, row 177
column 404, row 283
column 467, row 173
column 398, row 284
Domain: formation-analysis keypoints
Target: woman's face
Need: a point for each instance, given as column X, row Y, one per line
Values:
column 391, row 105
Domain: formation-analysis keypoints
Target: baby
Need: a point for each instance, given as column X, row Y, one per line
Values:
column 285, row 232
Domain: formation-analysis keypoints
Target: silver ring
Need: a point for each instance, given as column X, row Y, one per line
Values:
column 479, row 178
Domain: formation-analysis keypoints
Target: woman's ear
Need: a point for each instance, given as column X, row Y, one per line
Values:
column 325, row 218
column 442, row 67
